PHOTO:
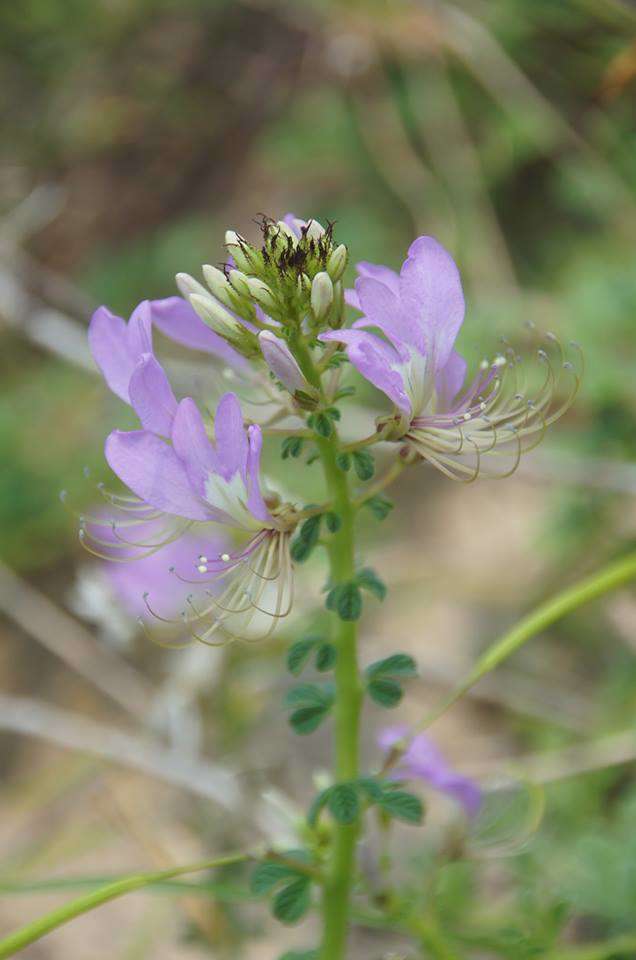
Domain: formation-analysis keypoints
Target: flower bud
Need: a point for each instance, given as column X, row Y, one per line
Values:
column 222, row 322
column 335, row 318
column 261, row 293
column 286, row 232
column 245, row 257
column 218, row 284
column 337, row 262
column 188, row 285
column 239, row 281
column 321, row 294
column 281, row 361
column 315, row 230
column 304, row 284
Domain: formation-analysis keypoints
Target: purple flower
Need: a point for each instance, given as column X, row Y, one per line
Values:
column 423, row 761
column 181, row 485
column 419, row 313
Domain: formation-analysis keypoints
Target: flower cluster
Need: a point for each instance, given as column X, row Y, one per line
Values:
column 272, row 317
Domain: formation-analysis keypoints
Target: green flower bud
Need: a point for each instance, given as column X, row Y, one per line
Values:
column 315, row 230
column 337, row 262
column 215, row 316
column 336, row 314
column 321, row 294
column 245, row 256
column 218, row 284
column 239, row 281
column 261, row 293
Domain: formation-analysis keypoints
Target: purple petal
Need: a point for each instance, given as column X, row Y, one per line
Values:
column 294, row 223
column 151, row 396
column 377, row 361
column 352, row 298
column 432, row 297
column 192, row 445
column 139, row 330
column 152, row 470
column 255, row 502
column 379, row 272
column 281, row 362
column 231, row 438
column 449, row 381
column 179, row 321
column 378, row 303
column 109, row 347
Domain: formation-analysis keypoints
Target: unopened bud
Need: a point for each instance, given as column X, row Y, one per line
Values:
column 245, row 257
column 286, row 233
column 321, row 295
column 222, row 322
column 188, row 285
column 337, row 262
column 261, row 293
column 239, row 281
column 335, row 318
column 218, row 284
column 304, row 284
column 315, row 230
column 281, row 361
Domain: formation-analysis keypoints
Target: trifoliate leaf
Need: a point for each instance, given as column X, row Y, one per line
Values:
column 309, row 695
column 397, row 665
column 370, row 581
column 321, row 423
column 385, row 692
column 348, row 601
column 372, row 788
column 298, row 654
column 325, row 657
column 379, row 506
column 306, row 538
column 293, row 901
column 333, row 521
column 402, row 806
column 307, row 719
column 267, row 874
column 363, row 464
column 291, row 447
column 343, row 803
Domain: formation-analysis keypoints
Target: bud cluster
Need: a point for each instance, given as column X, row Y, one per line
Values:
column 293, row 278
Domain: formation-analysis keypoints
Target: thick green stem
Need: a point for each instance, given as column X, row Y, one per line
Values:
column 348, row 700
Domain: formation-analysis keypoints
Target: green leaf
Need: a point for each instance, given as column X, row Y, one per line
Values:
column 343, row 462
column 307, row 719
column 318, row 804
column 348, row 601
column 306, row 538
column 292, row 902
column 291, row 447
column 343, row 803
column 402, row 806
column 369, row 580
column 372, row 788
column 397, row 665
column 363, row 464
column 385, row 692
column 333, row 521
column 267, row 875
column 325, row 657
column 333, row 413
column 344, row 392
column 379, row 506
column 321, row 423
column 309, row 695
column 298, row 654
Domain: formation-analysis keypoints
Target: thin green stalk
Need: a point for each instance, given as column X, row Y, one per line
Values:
column 609, row 578
column 336, row 902
column 56, row 918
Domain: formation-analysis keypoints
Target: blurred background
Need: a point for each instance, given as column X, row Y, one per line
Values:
column 133, row 133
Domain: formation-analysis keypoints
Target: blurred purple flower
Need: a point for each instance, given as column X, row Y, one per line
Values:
column 422, row 760
column 180, row 485
column 419, row 313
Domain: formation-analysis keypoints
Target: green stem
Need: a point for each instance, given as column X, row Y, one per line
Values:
column 56, row 918
column 609, row 578
column 348, row 701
